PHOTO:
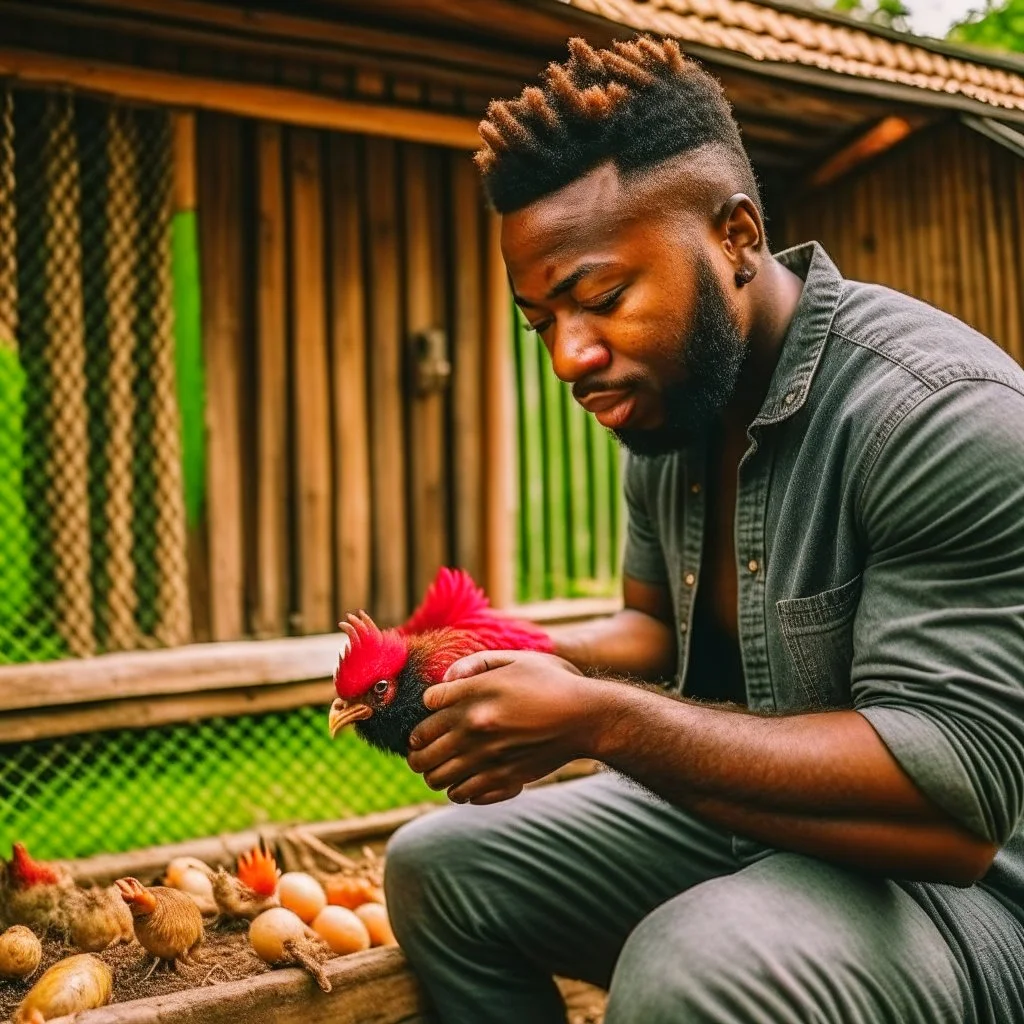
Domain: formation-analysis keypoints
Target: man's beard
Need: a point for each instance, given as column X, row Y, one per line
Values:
column 709, row 362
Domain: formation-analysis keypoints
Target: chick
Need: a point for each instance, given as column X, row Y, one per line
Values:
column 34, row 892
column 98, row 918
column 254, row 889
column 167, row 922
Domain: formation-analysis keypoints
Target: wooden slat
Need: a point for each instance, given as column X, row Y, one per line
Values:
column 467, row 337
column 271, row 103
column 183, row 148
column 220, row 234
column 423, row 260
column 272, row 398
column 348, row 341
column 312, row 455
column 390, row 546
column 498, row 431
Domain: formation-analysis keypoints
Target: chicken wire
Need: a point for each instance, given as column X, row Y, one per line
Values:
column 124, row 789
column 92, row 523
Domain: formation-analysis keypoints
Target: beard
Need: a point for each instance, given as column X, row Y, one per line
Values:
column 710, row 357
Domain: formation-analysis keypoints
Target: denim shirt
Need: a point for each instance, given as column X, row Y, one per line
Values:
column 879, row 539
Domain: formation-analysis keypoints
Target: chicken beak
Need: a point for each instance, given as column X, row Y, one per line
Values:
column 343, row 713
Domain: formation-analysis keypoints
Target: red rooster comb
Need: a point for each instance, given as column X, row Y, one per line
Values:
column 258, row 869
column 26, row 871
column 371, row 655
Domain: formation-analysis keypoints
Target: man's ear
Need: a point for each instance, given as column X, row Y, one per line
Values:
column 742, row 234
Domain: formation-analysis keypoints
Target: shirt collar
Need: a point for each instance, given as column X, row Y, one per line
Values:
column 808, row 330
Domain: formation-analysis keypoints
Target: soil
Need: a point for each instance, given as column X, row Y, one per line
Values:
column 226, row 956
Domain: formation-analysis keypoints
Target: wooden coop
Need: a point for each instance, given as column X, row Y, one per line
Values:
column 259, row 365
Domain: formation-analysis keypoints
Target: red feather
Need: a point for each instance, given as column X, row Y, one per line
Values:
column 25, row 871
column 371, row 655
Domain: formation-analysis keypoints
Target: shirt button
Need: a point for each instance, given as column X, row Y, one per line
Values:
column 683, row 627
column 695, row 488
column 689, row 579
column 752, row 565
column 790, row 398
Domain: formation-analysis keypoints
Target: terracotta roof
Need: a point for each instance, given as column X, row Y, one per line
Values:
column 767, row 34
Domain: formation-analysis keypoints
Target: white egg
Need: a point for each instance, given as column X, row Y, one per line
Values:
column 302, row 894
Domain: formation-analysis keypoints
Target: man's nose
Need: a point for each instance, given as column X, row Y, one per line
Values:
column 577, row 352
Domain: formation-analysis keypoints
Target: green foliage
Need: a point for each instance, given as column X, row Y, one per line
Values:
column 999, row 26
column 887, row 13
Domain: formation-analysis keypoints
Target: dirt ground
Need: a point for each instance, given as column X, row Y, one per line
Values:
column 226, row 956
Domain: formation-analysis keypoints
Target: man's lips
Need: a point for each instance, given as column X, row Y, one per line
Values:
column 610, row 408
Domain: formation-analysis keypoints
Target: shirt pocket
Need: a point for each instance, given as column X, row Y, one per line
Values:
column 818, row 632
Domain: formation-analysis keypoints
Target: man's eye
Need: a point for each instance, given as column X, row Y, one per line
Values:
column 541, row 327
column 380, row 687
column 605, row 303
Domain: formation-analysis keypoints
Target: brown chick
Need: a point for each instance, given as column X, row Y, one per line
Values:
column 98, row 918
column 167, row 922
column 34, row 892
column 254, row 889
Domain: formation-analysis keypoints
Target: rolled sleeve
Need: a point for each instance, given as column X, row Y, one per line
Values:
column 644, row 558
column 938, row 665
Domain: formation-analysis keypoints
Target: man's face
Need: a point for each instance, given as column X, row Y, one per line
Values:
column 630, row 305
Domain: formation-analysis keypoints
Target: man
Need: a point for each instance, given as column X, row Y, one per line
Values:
column 819, row 820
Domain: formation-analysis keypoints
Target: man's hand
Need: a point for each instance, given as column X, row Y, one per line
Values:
column 503, row 719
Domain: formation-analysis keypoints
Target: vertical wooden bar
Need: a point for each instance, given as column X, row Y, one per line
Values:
column 272, row 396
column 390, row 544
column 310, row 380
column 498, row 424
column 428, row 505
column 348, row 340
column 220, row 234
column 467, row 341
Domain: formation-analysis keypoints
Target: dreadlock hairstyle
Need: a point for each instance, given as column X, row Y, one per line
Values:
column 636, row 104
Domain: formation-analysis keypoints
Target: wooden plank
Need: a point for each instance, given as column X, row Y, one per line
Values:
column 390, row 544
column 878, row 139
column 312, row 455
column 183, row 148
column 427, row 472
column 147, row 712
column 220, row 239
column 348, row 341
column 270, row 103
column 467, row 336
column 499, row 427
column 271, row 612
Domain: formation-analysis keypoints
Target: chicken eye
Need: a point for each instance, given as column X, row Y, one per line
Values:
column 380, row 687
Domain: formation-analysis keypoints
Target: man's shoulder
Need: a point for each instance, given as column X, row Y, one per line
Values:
column 930, row 346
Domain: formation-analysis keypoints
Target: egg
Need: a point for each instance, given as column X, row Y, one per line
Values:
column 342, row 930
column 375, row 917
column 302, row 894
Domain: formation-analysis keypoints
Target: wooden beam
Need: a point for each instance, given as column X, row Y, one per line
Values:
column 271, row 612
column 270, row 103
column 220, row 239
column 889, row 132
column 348, row 341
column 499, row 425
column 183, row 150
column 312, row 455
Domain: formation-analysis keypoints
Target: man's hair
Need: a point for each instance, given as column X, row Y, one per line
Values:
column 636, row 104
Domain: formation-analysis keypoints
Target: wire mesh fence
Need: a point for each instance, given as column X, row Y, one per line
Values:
column 91, row 506
column 124, row 789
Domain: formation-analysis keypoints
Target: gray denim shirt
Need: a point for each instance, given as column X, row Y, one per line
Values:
column 879, row 540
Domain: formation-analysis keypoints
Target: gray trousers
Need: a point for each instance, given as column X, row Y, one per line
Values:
column 682, row 922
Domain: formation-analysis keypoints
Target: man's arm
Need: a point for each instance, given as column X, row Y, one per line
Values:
column 639, row 641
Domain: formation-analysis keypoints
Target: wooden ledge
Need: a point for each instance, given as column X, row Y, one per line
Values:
column 150, row 688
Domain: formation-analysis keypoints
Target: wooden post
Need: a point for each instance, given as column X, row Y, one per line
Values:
column 348, row 341
column 387, row 428
column 428, row 505
column 499, row 428
column 309, row 374
column 272, row 399
column 220, row 224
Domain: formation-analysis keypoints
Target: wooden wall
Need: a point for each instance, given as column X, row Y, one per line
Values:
column 940, row 218
column 333, row 483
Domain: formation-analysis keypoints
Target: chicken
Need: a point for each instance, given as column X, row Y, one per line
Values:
column 253, row 890
column 381, row 677
column 167, row 922
column 98, row 918
column 34, row 893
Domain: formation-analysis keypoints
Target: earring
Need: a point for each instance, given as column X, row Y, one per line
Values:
column 745, row 275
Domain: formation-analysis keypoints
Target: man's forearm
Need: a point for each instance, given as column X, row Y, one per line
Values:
column 629, row 643
column 822, row 784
